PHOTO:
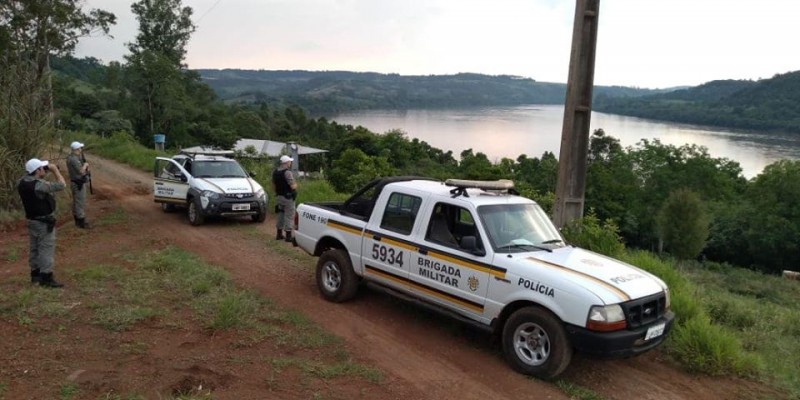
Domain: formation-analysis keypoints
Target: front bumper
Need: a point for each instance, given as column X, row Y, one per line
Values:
column 227, row 207
column 618, row 344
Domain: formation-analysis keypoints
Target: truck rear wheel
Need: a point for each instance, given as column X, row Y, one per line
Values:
column 336, row 280
column 535, row 343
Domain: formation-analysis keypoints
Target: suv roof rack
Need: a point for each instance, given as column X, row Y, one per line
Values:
column 461, row 186
column 207, row 152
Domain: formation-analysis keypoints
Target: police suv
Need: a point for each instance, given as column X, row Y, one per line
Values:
column 485, row 255
column 208, row 184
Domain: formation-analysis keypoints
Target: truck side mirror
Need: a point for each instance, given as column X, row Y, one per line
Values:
column 470, row 244
column 252, row 174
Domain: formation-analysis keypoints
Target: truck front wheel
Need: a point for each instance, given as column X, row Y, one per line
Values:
column 535, row 343
column 195, row 212
column 336, row 280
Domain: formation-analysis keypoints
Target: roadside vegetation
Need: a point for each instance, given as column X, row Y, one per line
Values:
column 729, row 321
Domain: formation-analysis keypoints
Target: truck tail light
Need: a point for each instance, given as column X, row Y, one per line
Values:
column 296, row 220
column 606, row 318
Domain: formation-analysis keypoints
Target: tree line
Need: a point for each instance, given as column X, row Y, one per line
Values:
column 765, row 105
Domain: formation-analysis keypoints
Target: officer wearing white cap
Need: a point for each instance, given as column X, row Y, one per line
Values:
column 286, row 189
column 40, row 206
column 78, row 176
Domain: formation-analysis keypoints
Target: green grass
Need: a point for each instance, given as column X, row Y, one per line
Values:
column 157, row 288
column 731, row 321
column 576, row 391
column 11, row 254
column 121, row 147
column 3, row 389
column 68, row 391
column 9, row 218
column 314, row 368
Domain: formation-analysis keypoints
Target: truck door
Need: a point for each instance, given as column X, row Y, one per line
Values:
column 169, row 181
column 454, row 275
column 387, row 245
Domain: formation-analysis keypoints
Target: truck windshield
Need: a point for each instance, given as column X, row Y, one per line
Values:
column 518, row 227
column 217, row 169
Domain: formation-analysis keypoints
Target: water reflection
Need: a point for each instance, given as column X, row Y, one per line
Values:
column 510, row 131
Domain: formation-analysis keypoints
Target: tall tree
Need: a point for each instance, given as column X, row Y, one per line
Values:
column 30, row 32
column 683, row 224
column 156, row 73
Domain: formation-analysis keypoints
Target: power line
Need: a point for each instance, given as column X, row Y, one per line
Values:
column 207, row 11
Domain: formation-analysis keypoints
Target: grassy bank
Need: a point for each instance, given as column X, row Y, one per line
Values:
column 169, row 290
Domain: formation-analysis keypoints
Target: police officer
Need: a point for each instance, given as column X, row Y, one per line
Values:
column 286, row 188
column 78, row 175
column 40, row 205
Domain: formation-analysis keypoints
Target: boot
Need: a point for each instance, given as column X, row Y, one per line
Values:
column 288, row 236
column 35, row 277
column 81, row 222
column 48, row 281
column 279, row 236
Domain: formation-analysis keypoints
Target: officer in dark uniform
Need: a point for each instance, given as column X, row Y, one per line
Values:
column 286, row 189
column 78, row 170
column 40, row 206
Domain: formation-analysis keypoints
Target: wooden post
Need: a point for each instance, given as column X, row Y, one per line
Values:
column 572, row 160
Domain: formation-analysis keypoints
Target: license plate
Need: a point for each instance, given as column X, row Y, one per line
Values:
column 240, row 207
column 654, row 331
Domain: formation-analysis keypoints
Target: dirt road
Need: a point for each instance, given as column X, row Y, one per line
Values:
column 423, row 355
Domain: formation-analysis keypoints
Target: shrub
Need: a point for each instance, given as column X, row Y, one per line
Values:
column 590, row 233
column 683, row 224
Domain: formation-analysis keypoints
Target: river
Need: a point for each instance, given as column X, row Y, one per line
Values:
column 533, row 129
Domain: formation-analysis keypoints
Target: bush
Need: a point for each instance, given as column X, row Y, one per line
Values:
column 683, row 224
column 710, row 349
column 589, row 233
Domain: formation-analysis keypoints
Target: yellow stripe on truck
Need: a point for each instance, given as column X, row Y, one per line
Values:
column 622, row 295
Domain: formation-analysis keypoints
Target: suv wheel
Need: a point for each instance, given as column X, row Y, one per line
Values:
column 535, row 343
column 336, row 280
column 195, row 213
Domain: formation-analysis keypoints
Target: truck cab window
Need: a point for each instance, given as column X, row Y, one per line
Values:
column 449, row 224
column 400, row 213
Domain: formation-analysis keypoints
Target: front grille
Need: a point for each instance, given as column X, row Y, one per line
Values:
column 238, row 195
column 644, row 311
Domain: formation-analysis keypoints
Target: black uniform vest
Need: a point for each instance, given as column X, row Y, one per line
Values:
column 34, row 206
column 282, row 187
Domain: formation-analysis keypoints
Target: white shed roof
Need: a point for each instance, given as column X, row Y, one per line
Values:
column 272, row 148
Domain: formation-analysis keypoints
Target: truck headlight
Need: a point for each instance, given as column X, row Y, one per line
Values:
column 210, row 194
column 606, row 318
column 261, row 196
column 669, row 303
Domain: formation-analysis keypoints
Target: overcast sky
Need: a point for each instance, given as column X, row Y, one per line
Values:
column 642, row 43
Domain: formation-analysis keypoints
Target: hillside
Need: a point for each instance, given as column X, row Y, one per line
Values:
column 767, row 105
column 331, row 91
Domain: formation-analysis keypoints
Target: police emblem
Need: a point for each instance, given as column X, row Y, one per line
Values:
column 472, row 281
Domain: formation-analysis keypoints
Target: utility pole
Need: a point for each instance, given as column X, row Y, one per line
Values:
column 571, row 184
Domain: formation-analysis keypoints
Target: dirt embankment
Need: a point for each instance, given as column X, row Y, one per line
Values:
column 422, row 355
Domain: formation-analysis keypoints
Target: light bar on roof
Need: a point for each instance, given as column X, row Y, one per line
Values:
column 500, row 184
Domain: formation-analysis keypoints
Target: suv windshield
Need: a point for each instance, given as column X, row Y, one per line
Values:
column 518, row 227
column 217, row 169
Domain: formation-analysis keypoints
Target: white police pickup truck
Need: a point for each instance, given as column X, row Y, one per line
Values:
column 208, row 184
column 485, row 255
